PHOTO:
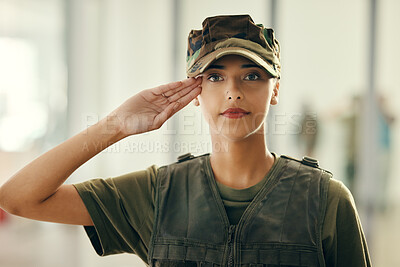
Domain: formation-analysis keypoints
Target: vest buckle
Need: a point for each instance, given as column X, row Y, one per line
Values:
column 310, row 161
column 185, row 157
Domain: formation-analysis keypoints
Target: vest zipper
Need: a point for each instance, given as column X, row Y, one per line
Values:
column 231, row 239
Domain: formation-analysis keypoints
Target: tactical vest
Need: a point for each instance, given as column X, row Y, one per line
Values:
column 282, row 226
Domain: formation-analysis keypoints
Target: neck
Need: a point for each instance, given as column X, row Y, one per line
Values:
column 240, row 164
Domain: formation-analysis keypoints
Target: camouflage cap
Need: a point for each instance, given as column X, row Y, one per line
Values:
column 232, row 34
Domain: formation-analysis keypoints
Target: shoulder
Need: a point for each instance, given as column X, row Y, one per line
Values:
column 343, row 238
column 125, row 182
column 184, row 162
column 308, row 166
column 187, row 166
column 339, row 196
column 341, row 212
column 337, row 191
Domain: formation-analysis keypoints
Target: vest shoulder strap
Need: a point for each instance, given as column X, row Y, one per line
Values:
column 309, row 161
column 188, row 156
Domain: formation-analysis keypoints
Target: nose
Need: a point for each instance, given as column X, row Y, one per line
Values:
column 234, row 91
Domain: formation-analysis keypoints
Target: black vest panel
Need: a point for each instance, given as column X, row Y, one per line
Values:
column 282, row 226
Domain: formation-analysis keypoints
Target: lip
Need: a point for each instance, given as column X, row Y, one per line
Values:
column 235, row 113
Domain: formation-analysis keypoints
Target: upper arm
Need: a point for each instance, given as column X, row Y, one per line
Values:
column 64, row 206
column 122, row 211
column 343, row 238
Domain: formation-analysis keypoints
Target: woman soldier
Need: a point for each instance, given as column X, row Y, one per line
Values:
column 238, row 206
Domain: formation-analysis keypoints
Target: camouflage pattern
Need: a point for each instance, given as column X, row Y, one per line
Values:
column 233, row 34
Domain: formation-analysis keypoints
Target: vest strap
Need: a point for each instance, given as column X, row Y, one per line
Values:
column 283, row 257
column 195, row 253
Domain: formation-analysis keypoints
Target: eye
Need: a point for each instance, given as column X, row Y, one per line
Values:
column 214, row 78
column 252, row 77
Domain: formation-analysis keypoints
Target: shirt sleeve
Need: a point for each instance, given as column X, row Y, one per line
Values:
column 343, row 241
column 122, row 211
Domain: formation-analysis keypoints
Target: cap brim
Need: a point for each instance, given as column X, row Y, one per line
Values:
column 203, row 63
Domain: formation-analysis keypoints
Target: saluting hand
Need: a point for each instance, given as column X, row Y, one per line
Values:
column 149, row 109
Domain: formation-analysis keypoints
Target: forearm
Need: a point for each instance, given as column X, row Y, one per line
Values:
column 42, row 177
column 36, row 191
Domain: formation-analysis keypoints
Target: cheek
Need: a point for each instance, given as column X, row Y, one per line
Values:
column 260, row 102
column 209, row 106
column 204, row 104
column 208, row 95
column 207, row 109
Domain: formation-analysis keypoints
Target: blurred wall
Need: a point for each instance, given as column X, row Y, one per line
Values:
column 114, row 49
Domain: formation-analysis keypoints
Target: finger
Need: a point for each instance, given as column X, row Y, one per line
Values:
column 186, row 99
column 182, row 93
column 190, row 82
column 174, row 107
column 162, row 89
column 171, row 90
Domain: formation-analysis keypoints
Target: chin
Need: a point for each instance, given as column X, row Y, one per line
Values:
column 237, row 133
column 239, row 136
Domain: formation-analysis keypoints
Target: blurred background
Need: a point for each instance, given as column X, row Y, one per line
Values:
column 66, row 64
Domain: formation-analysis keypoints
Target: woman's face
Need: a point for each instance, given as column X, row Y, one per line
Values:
column 235, row 98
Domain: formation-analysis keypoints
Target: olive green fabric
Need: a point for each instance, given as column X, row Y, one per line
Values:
column 237, row 200
column 122, row 209
column 282, row 226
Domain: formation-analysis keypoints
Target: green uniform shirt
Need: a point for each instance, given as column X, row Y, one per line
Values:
column 122, row 210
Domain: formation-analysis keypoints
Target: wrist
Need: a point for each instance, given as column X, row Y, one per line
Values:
column 110, row 126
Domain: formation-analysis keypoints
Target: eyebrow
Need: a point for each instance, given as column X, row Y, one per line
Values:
column 222, row 67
